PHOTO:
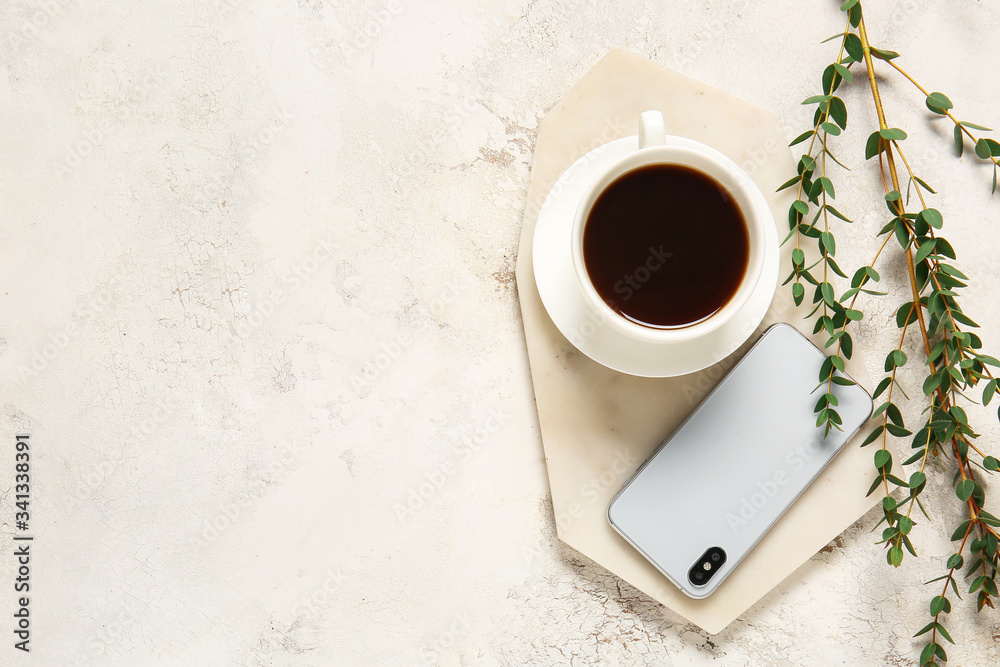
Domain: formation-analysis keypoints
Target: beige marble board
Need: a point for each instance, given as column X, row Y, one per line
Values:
column 596, row 424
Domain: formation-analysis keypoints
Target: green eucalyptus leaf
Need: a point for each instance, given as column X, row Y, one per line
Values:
column 905, row 314
column 882, row 457
column 988, row 391
column 932, row 217
column 895, row 556
column 960, row 531
column 898, row 431
column 874, row 145
column 831, row 79
column 838, row 111
column 797, row 293
column 828, row 242
column 826, row 289
column 944, row 248
column 830, row 128
column 963, row 319
column 859, row 277
column 789, row 183
column 831, row 209
column 815, row 99
column 827, row 186
column 893, row 413
column 838, row 362
column 854, row 15
column 926, row 248
column 939, row 103
column 802, row 137
column 884, row 54
column 815, row 190
column 902, row 233
column 847, row 349
column 973, row 126
column 854, row 48
column 873, row 436
column 882, row 386
column 983, row 149
column 892, row 134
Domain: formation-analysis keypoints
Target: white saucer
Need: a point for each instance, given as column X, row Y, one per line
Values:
column 562, row 295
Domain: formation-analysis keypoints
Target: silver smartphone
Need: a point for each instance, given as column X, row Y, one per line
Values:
column 705, row 497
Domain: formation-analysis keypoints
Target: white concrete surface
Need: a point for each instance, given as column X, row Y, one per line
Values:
column 256, row 276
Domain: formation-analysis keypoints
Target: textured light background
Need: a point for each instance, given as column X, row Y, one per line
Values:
column 257, row 311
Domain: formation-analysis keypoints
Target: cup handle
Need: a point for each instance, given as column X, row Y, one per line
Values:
column 651, row 129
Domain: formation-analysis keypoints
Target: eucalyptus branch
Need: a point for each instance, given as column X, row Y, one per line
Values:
column 952, row 353
column 986, row 149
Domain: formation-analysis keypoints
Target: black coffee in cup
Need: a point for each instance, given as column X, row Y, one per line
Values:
column 666, row 246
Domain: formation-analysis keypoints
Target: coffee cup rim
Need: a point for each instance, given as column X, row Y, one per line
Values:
column 753, row 206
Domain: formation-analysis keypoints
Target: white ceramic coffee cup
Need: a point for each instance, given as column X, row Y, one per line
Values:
column 707, row 160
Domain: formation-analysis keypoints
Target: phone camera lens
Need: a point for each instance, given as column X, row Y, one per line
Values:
column 707, row 567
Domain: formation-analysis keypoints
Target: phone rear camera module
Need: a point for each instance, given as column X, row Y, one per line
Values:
column 706, row 566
